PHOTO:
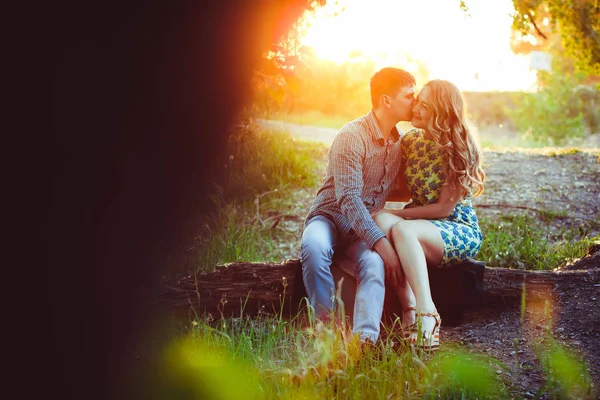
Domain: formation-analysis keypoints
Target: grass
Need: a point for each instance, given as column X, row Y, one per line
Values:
column 230, row 235
column 264, row 160
column 521, row 241
column 269, row 357
column 265, row 168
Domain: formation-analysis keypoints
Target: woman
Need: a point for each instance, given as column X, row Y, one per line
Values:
column 442, row 172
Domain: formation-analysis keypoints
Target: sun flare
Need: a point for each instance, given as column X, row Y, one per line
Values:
column 470, row 49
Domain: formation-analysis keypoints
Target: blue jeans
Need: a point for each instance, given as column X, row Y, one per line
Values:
column 319, row 240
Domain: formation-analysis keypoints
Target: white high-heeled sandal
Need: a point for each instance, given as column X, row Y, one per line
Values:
column 421, row 339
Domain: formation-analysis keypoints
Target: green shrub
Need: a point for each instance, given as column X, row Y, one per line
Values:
column 589, row 96
column 260, row 161
column 553, row 115
column 492, row 108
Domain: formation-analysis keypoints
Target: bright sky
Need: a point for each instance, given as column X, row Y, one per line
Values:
column 471, row 51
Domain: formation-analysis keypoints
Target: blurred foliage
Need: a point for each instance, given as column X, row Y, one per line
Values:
column 492, row 108
column 567, row 104
column 333, row 89
column 567, row 376
column 562, row 109
column 466, row 376
column 261, row 160
column 190, row 369
column 576, row 21
column 554, row 114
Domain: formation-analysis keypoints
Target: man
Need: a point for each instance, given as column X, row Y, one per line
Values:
column 364, row 161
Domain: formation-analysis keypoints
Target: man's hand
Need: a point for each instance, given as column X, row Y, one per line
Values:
column 394, row 275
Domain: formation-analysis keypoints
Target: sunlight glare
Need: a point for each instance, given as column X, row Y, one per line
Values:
column 473, row 50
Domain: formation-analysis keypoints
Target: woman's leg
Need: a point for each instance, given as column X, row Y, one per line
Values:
column 419, row 243
column 385, row 222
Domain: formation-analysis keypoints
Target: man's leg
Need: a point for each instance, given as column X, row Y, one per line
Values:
column 370, row 292
column 318, row 241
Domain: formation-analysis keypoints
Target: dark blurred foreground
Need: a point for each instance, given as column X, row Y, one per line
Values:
column 141, row 98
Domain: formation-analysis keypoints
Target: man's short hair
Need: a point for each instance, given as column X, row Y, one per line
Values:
column 389, row 81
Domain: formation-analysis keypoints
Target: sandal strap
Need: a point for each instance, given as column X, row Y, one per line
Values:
column 429, row 314
column 434, row 314
column 409, row 309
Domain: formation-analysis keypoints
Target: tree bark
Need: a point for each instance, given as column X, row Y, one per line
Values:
column 278, row 289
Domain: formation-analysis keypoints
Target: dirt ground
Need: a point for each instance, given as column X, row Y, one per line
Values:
column 567, row 314
column 567, row 183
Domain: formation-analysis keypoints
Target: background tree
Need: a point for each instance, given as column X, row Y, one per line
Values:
column 576, row 21
column 566, row 104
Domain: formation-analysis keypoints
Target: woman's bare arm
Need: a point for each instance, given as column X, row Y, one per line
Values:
column 449, row 197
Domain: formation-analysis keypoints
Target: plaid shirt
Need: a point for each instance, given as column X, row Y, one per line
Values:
column 361, row 172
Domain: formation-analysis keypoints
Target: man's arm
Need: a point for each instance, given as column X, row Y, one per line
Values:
column 393, row 270
column 346, row 155
column 449, row 197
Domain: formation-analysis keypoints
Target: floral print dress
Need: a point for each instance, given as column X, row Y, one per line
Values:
column 424, row 178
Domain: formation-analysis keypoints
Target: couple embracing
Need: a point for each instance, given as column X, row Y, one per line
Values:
column 437, row 166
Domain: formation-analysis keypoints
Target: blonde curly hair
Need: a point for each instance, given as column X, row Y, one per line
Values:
column 449, row 129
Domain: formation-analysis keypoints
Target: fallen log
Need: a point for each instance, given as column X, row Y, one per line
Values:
column 277, row 288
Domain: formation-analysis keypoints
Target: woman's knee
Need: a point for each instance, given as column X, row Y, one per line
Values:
column 381, row 218
column 401, row 230
column 385, row 221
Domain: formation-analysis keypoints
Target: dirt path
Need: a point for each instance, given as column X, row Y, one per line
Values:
column 565, row 183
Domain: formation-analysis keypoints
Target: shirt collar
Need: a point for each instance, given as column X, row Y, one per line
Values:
column 376, row 134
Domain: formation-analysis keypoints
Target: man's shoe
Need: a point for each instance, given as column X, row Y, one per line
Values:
column 367, row 344
column 370, row 350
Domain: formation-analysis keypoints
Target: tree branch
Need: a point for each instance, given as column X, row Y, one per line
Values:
column 539, row 32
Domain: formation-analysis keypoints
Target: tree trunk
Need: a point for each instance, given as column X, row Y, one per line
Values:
column 271, row 288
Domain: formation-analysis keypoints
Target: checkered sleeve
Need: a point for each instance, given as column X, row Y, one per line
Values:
column 346, row 156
